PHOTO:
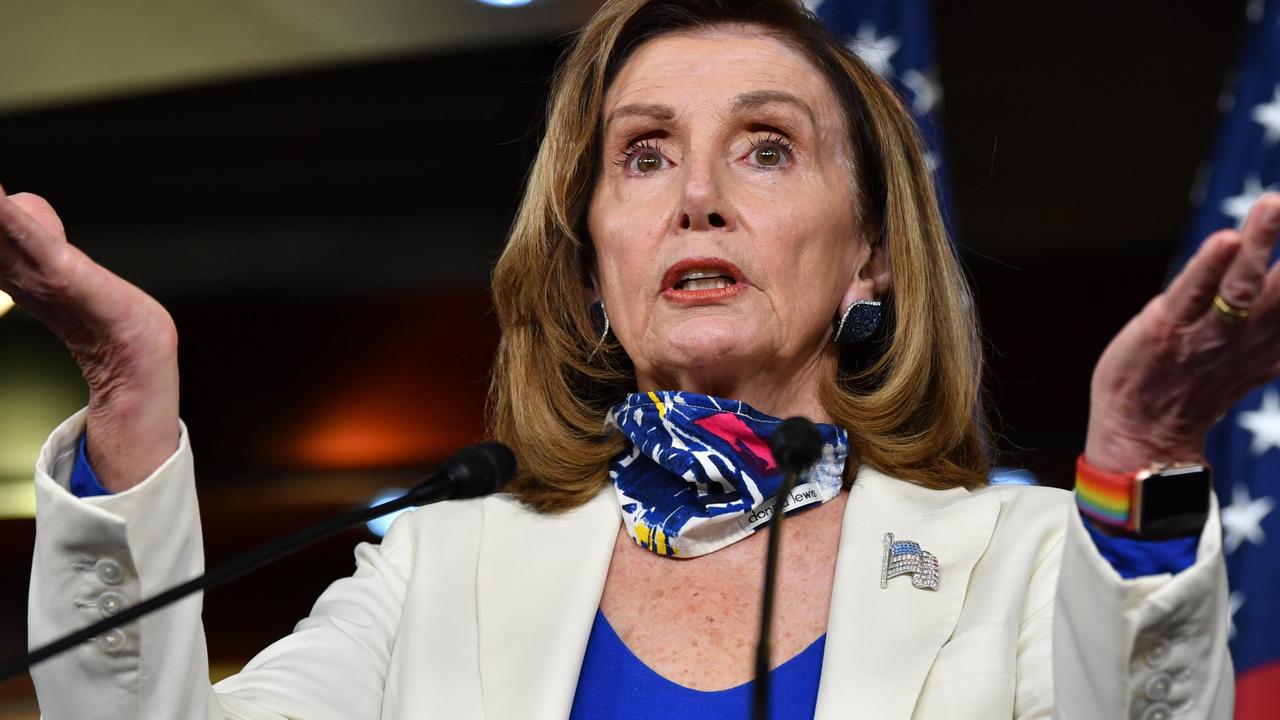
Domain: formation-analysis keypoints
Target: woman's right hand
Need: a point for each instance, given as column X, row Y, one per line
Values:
column 123, row 340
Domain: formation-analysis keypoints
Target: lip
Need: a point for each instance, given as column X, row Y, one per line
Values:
column 673, row 273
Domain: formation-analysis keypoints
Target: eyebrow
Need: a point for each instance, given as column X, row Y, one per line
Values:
column 742, row 103
column 657, row 112
column 760, row 98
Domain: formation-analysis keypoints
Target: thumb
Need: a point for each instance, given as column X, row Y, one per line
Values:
column 41, row 211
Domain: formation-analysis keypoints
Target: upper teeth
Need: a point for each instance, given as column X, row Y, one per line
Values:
column 704, row 280
column 700, row 274
column 714, row 283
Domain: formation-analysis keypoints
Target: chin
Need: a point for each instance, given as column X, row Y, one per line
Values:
column 708, row 346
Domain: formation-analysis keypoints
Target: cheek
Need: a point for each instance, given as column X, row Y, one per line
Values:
column 813, row 259
column 626, row 236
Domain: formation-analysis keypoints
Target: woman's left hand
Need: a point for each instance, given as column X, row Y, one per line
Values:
column 1182, row 362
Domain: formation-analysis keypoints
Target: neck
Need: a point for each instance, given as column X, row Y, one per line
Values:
column 782, row 392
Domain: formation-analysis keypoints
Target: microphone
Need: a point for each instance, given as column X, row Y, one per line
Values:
column 476, row 470
column 796, row 445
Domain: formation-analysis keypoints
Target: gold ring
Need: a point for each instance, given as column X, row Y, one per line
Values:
column 1229, row 312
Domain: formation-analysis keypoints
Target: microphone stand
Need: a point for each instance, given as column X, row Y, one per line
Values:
column 760, row 704
column 441, row 486
column 796, row 444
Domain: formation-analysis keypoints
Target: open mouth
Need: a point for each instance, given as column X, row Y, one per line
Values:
column 704, row 274
column 704, row 280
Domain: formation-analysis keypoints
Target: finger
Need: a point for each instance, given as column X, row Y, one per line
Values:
column 23, row 238
column 1243, row 280
column 1268, row 301
column 1264, row 320
column 1192, row 291
column 36, row 266
column 41, row 211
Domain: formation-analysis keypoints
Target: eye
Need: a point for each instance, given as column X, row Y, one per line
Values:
column 647, row 162
column 772, row 151
column 642, row 158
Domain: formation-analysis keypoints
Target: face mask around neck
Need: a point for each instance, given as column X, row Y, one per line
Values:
column 699, row 474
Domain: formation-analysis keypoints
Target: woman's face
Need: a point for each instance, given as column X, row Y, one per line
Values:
column 723, row 216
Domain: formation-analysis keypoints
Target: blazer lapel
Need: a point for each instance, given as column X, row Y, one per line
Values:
column 538, row 585
column 882, row 642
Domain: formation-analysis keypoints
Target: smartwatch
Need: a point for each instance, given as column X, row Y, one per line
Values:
column 1159, row 501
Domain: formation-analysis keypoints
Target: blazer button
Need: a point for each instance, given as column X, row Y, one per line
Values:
column 1157, row 711
column 1158, row 654
column 112, row 642
column 110, row 603
column 109, row 571
column 1158, row 686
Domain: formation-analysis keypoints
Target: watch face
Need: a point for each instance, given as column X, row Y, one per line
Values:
column 1175, row 502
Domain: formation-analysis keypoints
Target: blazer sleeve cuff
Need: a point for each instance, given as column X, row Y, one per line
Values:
column 1125, row 646
column 95, row 553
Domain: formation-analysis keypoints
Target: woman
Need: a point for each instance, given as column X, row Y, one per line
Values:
column 719, row 184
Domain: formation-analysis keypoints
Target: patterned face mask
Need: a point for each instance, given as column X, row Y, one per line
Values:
column 700, row 475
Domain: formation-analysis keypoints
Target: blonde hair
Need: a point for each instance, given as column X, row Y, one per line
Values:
column 913, row 405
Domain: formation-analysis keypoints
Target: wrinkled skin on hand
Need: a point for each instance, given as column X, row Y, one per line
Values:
column 123, row 340
column 1180, row 364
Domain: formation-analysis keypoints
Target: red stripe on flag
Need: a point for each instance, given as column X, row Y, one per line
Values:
column 1258, row 692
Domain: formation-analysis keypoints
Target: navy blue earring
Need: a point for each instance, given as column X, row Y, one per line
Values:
column 858, row 323
column 599, row 323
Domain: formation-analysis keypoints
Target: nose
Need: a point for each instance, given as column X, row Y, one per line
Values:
column 704, row 205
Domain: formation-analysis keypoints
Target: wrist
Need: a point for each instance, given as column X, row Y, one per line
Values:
column 1155, row 501
column 132, row 433
column 1125, row 447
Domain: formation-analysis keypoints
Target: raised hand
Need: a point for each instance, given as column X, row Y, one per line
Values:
column 123, row 340
column 1193, row 351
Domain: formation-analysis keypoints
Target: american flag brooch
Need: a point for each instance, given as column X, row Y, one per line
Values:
column 903, row 557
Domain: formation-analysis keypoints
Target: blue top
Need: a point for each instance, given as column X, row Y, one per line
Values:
column 614, row 684
column 1134, row 557
column 84, row 482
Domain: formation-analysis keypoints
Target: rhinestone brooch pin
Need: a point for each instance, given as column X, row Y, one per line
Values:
column 904, row 557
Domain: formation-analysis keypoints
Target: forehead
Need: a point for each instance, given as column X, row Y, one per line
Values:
column 711, row 66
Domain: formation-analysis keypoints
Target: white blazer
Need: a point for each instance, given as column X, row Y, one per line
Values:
column 482, row 609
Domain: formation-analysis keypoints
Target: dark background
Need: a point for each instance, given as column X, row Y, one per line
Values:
column 324, row 238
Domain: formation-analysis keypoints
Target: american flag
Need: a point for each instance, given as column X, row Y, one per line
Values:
column 1244, row 448
column 905, row 557
column 895, row 38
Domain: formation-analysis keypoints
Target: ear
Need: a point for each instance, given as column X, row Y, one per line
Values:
column 872, row 276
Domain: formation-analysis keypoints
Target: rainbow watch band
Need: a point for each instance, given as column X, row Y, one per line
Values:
column 1106, row 497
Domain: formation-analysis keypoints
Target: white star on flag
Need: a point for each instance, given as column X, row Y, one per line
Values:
column 874, row 50
column 1242, row 519
column 1238, row 206
column 1235, row 601
column 1254, row 9
column 813, row 5
column 925, row 92
column 1263, row 423
column 1268, row 116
